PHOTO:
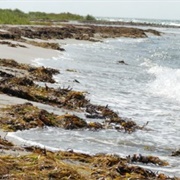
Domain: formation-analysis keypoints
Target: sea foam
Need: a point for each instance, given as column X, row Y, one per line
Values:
column 166, row 82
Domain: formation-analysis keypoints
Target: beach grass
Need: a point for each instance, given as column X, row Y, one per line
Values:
column 54, row 17
column 8, row 16
column 16, row 16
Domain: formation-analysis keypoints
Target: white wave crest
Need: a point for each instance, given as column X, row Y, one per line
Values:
column 166, row 83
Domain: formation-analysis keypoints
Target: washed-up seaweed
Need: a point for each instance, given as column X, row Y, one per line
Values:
column 27, row 116
column 44, row 164
column 35, row 73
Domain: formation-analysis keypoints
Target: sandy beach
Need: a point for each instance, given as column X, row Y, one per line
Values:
column 29, row 105
column 26, row 55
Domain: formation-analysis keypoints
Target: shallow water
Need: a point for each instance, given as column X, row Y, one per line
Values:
column 147, row 89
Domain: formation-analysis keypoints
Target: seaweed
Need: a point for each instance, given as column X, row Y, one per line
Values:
column 27, row 89
column 41, row 163
column 26, row 116
column 4, row 144
column 47, row 45
column 12, row 44
column 34, row 73
column 44, row 164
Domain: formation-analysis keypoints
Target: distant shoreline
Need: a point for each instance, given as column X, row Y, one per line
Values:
column 123, row 23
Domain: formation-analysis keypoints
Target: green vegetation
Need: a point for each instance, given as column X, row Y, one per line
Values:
column 54, row 17
column 8, row 16
column 90, row 18
column 16, row 16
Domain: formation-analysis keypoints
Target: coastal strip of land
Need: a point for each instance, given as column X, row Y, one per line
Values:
column 19, row 82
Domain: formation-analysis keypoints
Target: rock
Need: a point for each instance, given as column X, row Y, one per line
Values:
column 76, row 81
column 122, row 62
column 176, row 153
column 148, row 159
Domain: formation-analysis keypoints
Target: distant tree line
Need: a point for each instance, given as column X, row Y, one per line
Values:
column 8, row 16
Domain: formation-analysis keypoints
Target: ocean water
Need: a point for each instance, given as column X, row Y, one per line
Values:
column 146, row 89
column 174, row 22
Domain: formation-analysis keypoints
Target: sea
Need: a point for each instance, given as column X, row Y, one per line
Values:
column 144, row 89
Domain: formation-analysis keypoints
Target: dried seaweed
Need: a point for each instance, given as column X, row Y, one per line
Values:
column 35, row 73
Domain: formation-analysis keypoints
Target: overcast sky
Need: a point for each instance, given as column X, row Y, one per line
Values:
column 153, row 9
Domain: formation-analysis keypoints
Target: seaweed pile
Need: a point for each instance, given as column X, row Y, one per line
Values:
column 4, row 144
column 26, row 116
column 10, row 68
column 10, row 44
column 65, row 98
column 80, row 32
column 24, row 87
column 47, row 45
column 44, row 164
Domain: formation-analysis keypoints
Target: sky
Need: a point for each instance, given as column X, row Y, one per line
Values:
column 151, row 9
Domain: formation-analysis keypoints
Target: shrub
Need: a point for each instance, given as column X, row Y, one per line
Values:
column 90, row 18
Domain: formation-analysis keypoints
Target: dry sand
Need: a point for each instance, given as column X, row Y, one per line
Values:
column 26, row 55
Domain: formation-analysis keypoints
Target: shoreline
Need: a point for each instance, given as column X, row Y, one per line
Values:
column 30, row 53
column 27, row 55
column 131, row 23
